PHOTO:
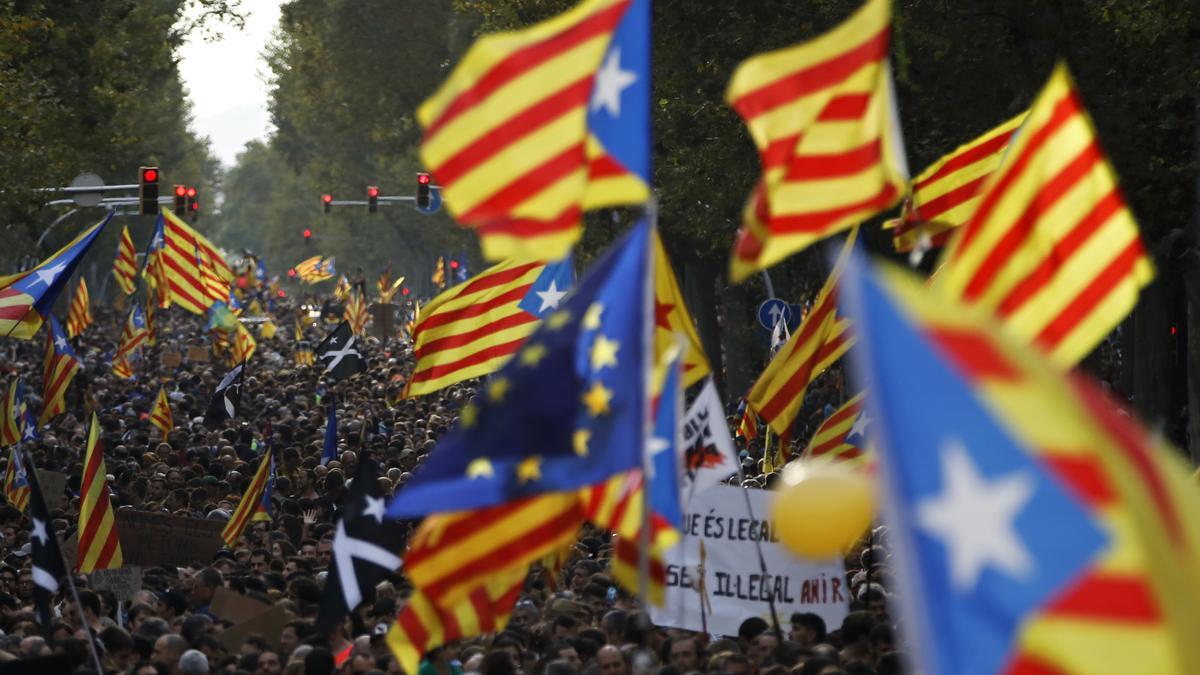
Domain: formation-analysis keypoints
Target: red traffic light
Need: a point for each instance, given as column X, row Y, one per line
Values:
column 328, row 199
column 150, row 175
column 372, row 191
column 292, row 272
column 179, row 191
column 453, row 264
column 404, row 291
column 307, row 233
column 423, row 178
column 283, row 293
column 191, row 191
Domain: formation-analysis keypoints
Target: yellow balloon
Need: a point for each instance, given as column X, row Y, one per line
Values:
column 819, row 511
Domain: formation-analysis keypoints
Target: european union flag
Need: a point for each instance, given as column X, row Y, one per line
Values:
column 986, row 534
column 568, row 410
column 26, row 298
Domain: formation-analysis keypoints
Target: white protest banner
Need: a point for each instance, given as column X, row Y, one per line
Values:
column 736, row 587
column 124, row 582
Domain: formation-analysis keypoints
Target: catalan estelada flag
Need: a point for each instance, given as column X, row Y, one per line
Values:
column 945, row 195
column 423, row 625
column 125, row 264
column 315, row 269
column 475, row 327
column 133, row 335
column 160, row 415
column 99, row 547
column 27, row 297
column 188, row 274
column 79, row 314
column 822, row 115
column 534, row 126
column 821, row 339
column 1044, row 530
column 244, row 344
column 58, row 369
column 215, row 288
column 356, row 313
column 264, row 510
column 154, row 269
column 16, row 484
column 250, row 503
column 1052, row 247
column 747, row 428
column 672, row 319
column 842, row 437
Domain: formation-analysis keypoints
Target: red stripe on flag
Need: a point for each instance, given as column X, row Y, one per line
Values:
column 414, row 629
column 819, row 76
column 975, row 154
column 469, row 337
column 1118, row 270
column 834, row 165
column 816, row 221
column 523, row 60
column 528, row 228
column 845, row 107
column 481, row 604
column 934, row 208
column 481, row 356
column 1103, row 596
column 800, row 378
column 461, row 528
column 440, row 318
column 554, row 106
column 605, row 166
column 974, row 353
column 1025, row 663
column 1086, row 477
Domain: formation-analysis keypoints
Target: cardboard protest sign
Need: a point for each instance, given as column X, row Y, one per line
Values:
column 170, row 359
column 54, row 485
column 269, row 625
column 198, row 354
column 124, row 582
column 164, row 540
column 736, row 587
column 235, row 607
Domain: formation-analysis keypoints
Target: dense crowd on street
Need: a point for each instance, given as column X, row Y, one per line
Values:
column 567, row 622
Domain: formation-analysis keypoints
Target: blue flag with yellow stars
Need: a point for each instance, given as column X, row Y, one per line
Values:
column 568, row 410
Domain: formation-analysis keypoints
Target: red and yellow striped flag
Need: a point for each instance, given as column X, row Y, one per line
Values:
column 842, row 437
column 99, row 547
column 356, row 313
column 1052, row 248
column 616, row 505
column 244, row 344
column 161, row 416
column 125, row 264
column 122, row 368
column 672, row 319
column 453, row 553
column 1137, row 608
column 133, row 335
column 10, row 413
column 319, row 268
column 748, row 424
column 423, row 625
column 182, row 267
column 59, row 367
column 250, row 502
column 473, row 328
column 216, row 289
column 820, row 340
column 79, row 314
column 945, row 195
column 507, row 134
column 16, row 484
column 823, row 118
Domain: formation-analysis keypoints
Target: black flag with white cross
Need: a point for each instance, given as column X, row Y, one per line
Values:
column 227, row 399
column 339, row 352
column 45, row 556
column 366, row 548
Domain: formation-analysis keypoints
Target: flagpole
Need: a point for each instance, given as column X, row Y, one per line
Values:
column 762, row 561
column 70, row 575
column 648, row 416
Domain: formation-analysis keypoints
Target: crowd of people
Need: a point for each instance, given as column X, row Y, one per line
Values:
column 569, row 621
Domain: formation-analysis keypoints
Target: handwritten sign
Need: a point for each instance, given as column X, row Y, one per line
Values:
column 124, row 582
column 162, row 539
column 736, row 587
column 170, row 359
column 54, row 485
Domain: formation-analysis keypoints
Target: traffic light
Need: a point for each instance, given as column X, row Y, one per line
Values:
column 292, row 271
column 423, row 182
column 180, row 206
column 327, row 202
column 404, row 291
column 372, row 199
column 148, row 190
column 193, row 202
column 453, row 264
column 307, row 237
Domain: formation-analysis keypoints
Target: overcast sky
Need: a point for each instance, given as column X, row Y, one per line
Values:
column 226, row 81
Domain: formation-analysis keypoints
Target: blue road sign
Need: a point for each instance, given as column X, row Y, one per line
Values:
column 435, row 202
column 771, row 311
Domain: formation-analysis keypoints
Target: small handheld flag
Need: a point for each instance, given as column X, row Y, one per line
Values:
column 339, row 352
column 58, row 369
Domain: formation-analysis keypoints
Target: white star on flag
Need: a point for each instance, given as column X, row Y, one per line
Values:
column 610, row 82
column 47, row 275
column 976, row 519
column 60, row 343
column 550, row 297
column 39, row 531
column 375, row 508
column 860, row 425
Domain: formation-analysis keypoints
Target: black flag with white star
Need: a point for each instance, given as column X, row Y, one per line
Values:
column 339, row 352
column 227, row 398
column 365, row 548
column 45, row 556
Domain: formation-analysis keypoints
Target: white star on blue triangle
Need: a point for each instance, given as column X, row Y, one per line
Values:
column 619, row 107
column 550, row 287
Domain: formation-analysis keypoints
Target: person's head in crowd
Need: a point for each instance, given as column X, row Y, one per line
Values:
column 807, row 629
column 875, row 601
column 119, row 646
column 613, row 625
column 683, row 653
column 763, row 649
column 167, row 651
column 148, row 668
column 269, row 663
column 748, row 630
column 566, row 652
column 737, row 664
column 612, row 661
column 193, row 662
column 565, row 626
column 856, row 636
column 293, row 633
column 498, row 662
